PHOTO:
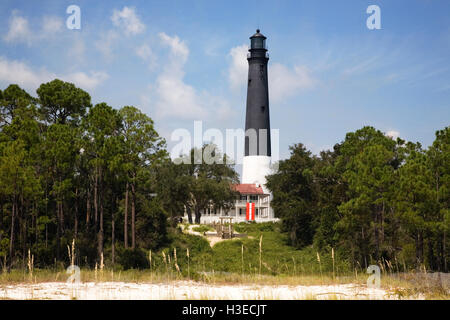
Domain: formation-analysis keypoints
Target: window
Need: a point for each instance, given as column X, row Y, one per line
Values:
column 254, row 198
column 243, row 197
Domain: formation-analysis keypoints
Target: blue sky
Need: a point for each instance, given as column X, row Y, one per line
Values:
column 181, row 61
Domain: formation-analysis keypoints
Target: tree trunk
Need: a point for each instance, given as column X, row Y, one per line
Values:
column 35, row 214
column 445, row 252
column 1, row 218
column 382, row 223
column 125, row 222
column 377, row 238
column 46, row 236
column 419, row 249
column 364, row 251
column 95, row 197
column 113, row 231
column 11, row 243
column 88, row 207
column 1, row 231
column 431, row 257
column 197, row 215
column 100, row 232
column 58, row 230
column 439, row 254
column 23, row 229
column 62, row 217
column 133, row 216
column 189, row 214
column 2, row 266
column 76, row 214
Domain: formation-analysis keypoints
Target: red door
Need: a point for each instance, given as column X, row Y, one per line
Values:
column 250, row 213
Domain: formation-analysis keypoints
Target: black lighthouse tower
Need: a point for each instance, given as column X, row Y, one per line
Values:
column 257, row 113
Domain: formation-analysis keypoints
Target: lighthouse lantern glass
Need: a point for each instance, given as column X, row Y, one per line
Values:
column 258, row 43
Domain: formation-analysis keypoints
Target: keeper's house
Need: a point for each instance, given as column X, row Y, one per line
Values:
column 248, row 193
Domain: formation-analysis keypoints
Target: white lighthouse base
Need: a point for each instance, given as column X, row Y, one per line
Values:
column 255, row 169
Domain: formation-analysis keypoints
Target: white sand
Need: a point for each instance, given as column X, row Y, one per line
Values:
column 181, row 290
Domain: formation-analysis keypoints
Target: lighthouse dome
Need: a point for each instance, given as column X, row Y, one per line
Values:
column 258, row 40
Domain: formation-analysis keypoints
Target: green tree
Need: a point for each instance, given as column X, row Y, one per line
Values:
column 209, row 183
column 370, row 177
column 367, row 162
column 17, row 183
column 294, row 195
column 12, row 99
column 331, row 192
column 171, row 183
column 60, row 152
column 19, row 131
column 59, row 163
column 439, row 162
column 415, row 196
column 62, row 102
column 143, row 148
column 101, row 129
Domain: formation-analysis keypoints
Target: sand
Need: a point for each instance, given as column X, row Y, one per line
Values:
column 181, row 290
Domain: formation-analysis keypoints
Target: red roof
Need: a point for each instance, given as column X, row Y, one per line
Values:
column 248, row 188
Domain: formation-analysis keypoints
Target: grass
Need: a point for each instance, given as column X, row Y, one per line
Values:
column 203, row 228
column 88, row 275
column 263, row 258
column 275, row 255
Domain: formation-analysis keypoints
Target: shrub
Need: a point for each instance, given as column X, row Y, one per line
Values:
column 202, row 229
column 133, row 259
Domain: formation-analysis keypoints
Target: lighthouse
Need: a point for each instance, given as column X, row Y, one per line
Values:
column 257, row 156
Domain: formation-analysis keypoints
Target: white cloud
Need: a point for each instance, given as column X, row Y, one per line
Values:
column 20, row 32
column 238, row 70
column 178, row 48
column 173, row 97
column 144, row 52
column 77, row 50
column 19, row 73
column 128, row 21
column 106, row 42
column 13, row 71
column 284, row 82
column 393, row 134
column 147, row 55
column 51, row 25
column 86, row 81
column 176, row 98
column 213, row 47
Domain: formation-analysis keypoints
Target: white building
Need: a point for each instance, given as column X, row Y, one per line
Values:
column 248, row 193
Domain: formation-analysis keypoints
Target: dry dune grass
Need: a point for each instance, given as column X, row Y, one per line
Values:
column 134, row 284
column 181, row 290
